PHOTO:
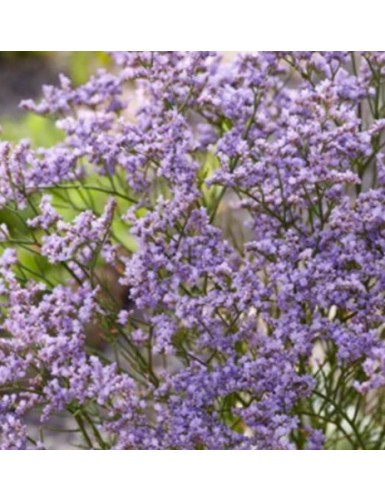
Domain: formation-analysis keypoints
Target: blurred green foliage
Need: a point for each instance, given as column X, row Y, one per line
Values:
column 82, row 64
column 79, row 63
column 39, row 130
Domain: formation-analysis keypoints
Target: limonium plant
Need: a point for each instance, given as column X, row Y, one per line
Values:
column 200, row 262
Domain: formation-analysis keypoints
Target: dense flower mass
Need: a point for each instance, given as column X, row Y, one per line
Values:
column 200, row 263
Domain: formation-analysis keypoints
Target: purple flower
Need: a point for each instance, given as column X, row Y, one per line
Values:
column 230, row 295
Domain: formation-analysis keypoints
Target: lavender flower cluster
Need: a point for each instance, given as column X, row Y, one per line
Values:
column 243, row 222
